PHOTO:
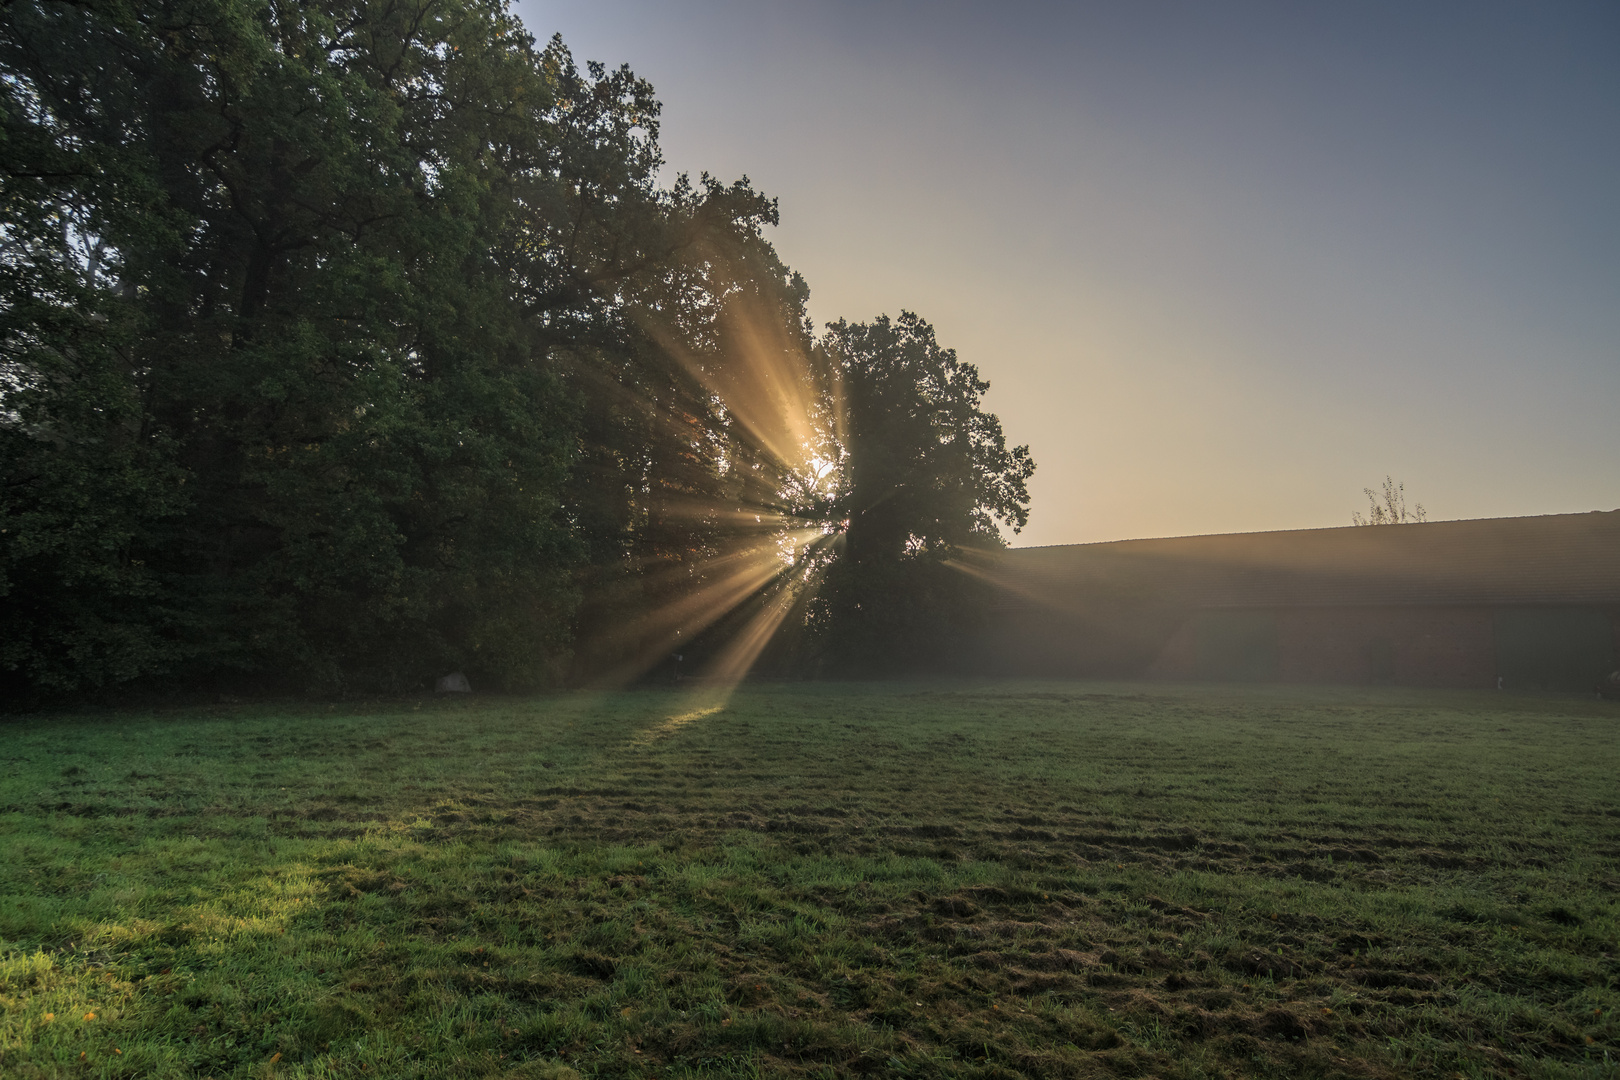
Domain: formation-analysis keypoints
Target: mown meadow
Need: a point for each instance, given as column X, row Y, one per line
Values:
column 818, row 880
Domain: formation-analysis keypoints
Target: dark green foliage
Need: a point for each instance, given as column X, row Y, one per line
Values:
column 272, row 406
column 344, row 343
column 84, row 485
column 318, row 363
column 926, row 473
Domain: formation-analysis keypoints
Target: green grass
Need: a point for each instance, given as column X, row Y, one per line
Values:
column 907, row 880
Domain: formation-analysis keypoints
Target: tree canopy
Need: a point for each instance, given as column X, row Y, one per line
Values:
column 342, row 343
column 925, row 472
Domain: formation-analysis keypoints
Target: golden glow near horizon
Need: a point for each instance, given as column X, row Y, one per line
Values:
column 1223, row 269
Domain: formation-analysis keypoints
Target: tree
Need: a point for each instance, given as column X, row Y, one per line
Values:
column 924, row 471
column 275, row 400
column 347, row 342
column 1392, row 510
column 672, row 471
column 350, row 449
column 335, row 343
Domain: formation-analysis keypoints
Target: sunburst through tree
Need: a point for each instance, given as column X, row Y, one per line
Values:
column 344, row 345
column 844, row 475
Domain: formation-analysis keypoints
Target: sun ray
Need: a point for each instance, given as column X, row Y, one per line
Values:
column 676, row 722
column 745, row 567
column 724, row 673
column 764, row 378
column 762, row 422
column 690, row 508
column 735, row 578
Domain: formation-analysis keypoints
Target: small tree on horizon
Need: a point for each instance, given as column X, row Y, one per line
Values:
column 1392, row 510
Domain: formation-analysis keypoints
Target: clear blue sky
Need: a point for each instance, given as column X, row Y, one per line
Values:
column 1224, row 264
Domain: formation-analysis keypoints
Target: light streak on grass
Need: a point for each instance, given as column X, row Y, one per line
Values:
column 676, row 722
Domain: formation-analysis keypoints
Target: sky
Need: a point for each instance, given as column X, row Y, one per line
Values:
column 1224, row 264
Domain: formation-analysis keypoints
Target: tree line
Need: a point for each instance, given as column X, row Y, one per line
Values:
column 347, row 343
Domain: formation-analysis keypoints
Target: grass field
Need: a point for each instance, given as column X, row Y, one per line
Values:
column 908, row 880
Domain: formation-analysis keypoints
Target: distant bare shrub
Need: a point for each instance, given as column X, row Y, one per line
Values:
column 1392, row 510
